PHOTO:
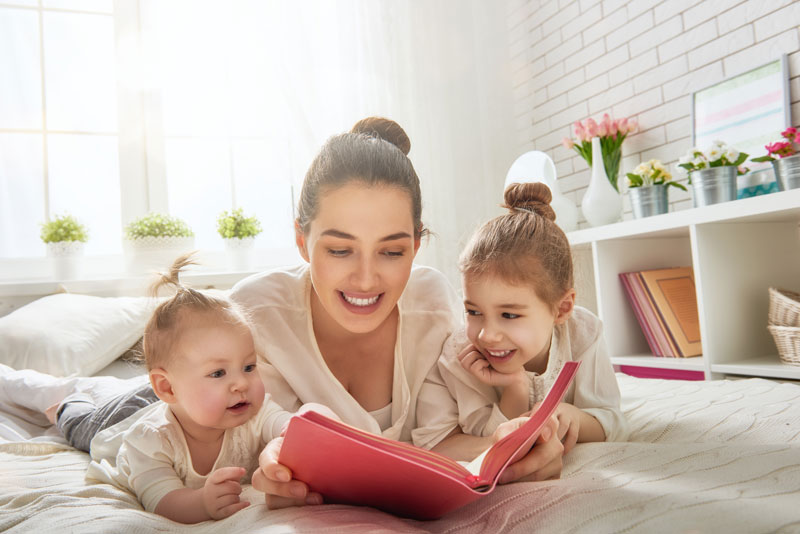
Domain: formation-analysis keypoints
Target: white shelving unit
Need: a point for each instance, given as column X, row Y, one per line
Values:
column 738, row 250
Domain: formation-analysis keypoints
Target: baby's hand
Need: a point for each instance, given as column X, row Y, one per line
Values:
column 221, row 492
column 476, row 363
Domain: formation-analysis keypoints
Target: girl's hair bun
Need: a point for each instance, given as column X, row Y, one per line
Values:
column 385, row 129
column 533, row 197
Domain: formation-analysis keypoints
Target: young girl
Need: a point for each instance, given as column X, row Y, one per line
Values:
column 521, row 326
column 186, row 457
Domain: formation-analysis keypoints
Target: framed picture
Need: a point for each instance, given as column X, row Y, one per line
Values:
column 747, row 112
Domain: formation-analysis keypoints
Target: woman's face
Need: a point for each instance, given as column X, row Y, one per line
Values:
column 361, row 246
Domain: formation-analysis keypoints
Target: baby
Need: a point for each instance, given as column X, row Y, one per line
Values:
column 186, row 458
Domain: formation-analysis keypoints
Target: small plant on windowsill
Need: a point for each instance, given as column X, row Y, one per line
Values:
column 153, row 241
column 239, row 233
column 64, row 237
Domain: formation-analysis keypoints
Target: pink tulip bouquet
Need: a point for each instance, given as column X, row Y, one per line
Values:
column 612, row 133
column 781, row 149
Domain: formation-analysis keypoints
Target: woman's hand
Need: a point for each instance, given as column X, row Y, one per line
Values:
column 275, row 480
column 476, row 363
column 569, row 425
column 543, row 462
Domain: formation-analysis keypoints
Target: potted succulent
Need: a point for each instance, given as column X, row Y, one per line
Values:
column 239, row 233
column 785, row 159
column 648, row 187
column 154, row 240
column 713, row 173
column 64, row 237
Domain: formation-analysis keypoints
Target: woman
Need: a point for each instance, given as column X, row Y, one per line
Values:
column 358, row 328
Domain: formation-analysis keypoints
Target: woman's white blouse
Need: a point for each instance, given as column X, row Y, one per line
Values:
column 294, row 370
column 453, row 397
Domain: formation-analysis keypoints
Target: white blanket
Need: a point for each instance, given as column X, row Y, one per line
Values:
column 719, row 456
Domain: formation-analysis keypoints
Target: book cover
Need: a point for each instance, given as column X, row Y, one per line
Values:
column 350, row 466
column 675, row 298
column 659, row 327
column 639, row 313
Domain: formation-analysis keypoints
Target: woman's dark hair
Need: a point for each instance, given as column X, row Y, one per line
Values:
column 524, row 246
column 374, row 152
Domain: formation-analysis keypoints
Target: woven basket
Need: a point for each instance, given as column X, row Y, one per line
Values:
column 784, row 307
column 787, row 338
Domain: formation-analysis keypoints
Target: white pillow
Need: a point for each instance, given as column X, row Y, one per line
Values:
column 72, row 335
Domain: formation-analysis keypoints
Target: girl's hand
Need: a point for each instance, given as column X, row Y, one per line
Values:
column 275, row 480
column 221, row 492
column 569, row 424
column 543, row 462
column 473, row 361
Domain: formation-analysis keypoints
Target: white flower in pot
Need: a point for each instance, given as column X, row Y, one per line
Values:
column 64, row 237
column 239, row 233
column 648, row 188
column 152, row 242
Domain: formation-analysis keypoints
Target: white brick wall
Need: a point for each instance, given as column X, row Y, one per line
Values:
column 636, row 58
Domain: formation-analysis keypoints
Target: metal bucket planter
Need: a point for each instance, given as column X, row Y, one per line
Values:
column 714, row 185
column 648, row 200
column 787, row 172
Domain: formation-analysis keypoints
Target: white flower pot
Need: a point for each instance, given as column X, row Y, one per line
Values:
column 65, row 257
column 154, row 254
column 601, row 203
column 241, row 253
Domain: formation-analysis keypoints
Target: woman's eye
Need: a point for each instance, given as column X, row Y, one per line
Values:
column 250, row 368
column 507, row 315
column 217, row 374
column 339, row 252
column 394, row 253
column 473, row 312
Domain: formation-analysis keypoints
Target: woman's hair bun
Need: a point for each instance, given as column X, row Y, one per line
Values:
column 386, row 129
column 534, row 197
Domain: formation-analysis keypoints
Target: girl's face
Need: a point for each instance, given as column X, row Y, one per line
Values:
column 361, row 246
column 213, row 375
column 509, row 324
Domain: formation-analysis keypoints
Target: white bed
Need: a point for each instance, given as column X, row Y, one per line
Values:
column 721, row 456
column 718, row 456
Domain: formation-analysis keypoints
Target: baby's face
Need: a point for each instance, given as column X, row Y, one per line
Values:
column 214, row 376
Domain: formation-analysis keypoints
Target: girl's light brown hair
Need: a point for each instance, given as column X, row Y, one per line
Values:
column 524, row 246
column 163, row 329
column 374, row 152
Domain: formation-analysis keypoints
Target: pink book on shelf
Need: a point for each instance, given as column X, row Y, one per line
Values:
column 639, row 313
column 652, row 320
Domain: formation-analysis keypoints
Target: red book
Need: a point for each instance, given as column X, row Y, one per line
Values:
column 349, row 466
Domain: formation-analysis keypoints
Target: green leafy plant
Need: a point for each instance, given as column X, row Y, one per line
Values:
column 64, row 228
column 650, row 173
column 157, row 225
column 234, row 224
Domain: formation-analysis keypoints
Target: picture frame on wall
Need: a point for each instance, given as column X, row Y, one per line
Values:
column 747, row 111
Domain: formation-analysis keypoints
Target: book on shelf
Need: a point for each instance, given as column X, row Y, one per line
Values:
column 664, row 302
column 350, row 466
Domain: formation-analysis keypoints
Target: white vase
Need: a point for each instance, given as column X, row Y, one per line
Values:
column 66, row 259
column 240, row 253
column 601, row 203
